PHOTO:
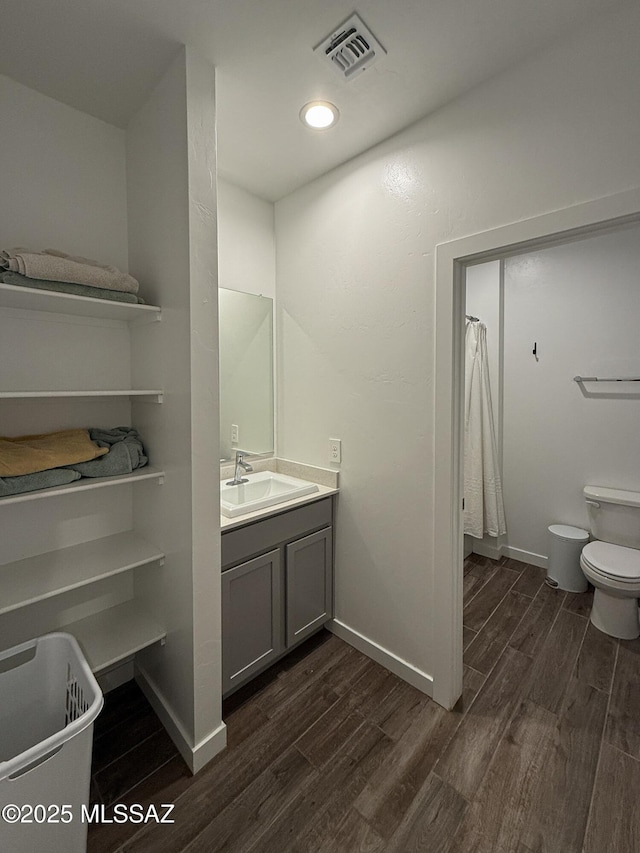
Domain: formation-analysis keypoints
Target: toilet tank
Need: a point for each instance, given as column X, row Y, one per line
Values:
column 614, row 515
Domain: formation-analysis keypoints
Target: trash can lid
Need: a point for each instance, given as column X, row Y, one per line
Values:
column 566, row 531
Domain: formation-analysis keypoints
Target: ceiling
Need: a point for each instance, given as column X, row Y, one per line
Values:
column 104, row 57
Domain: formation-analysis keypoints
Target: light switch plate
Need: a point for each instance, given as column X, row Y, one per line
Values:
column 335, row 450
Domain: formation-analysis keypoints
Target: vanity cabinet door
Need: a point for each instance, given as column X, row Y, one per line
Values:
column 251, row 618
column 309, row 564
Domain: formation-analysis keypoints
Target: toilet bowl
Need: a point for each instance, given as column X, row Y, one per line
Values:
column 612, row 562
column 614, row 571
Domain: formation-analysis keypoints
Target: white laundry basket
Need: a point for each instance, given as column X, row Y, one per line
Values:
column 49, row 700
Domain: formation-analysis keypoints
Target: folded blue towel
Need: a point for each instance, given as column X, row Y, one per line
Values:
column 126, row 453
column 15, row 278
column 39, row 480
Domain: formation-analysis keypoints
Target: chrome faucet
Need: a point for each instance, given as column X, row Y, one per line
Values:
column 241, row 466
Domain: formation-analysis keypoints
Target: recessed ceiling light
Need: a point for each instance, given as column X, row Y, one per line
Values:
column 319, row 115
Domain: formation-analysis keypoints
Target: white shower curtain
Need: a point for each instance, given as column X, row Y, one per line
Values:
column 483, row 505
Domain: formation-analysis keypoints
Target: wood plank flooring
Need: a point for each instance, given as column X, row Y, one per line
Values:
column 330, row 753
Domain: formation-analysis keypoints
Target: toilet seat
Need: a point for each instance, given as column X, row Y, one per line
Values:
column 612, row 561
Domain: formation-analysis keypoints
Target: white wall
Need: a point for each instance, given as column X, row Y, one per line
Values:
column 63, row 178
column 356, row 295
column 246, row 241
column 63, row 186
column 581, row 303
column 172, row 228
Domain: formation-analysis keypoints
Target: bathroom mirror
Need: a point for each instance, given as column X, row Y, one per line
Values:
column 246, row 373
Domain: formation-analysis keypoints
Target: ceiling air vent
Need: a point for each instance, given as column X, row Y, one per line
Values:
column 350, row 49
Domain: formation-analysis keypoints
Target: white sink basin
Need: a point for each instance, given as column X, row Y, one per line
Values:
column 263, row 489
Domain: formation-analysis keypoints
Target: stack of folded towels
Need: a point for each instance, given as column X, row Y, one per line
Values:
column 54, row 270
column 31, row 462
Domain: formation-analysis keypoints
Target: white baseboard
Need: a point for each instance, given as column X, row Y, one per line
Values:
column 485, row 549
column 195, row 756
column 113, row 678
column 467, row 546
column 387, row 659
column 526, row 556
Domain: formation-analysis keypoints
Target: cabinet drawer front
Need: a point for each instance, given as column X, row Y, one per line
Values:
column 246, row 541
column 309, row 570
column 251, row 618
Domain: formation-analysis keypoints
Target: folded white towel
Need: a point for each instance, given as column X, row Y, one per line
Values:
column 53, row 265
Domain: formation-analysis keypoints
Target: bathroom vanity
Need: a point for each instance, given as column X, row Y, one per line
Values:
column 277, row 583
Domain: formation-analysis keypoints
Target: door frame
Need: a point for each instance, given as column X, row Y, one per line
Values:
column 452, row 259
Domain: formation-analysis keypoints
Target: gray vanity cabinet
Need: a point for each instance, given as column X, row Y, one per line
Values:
column 277, row 588
column 252, row 618
column 309, row 584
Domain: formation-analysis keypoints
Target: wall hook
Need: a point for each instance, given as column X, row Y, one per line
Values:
column 535, row 351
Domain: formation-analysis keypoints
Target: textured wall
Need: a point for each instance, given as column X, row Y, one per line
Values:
column 63, row 178
column 246, row 241
column 355, row 256
column 172, row 230
column 581, row 303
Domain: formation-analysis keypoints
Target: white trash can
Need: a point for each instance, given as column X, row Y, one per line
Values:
column 565, row 546
column 49, row 700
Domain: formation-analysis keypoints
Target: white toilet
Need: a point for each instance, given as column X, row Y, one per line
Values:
column 612, row 562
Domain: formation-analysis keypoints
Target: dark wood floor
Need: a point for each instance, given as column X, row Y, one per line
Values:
column 330, row 753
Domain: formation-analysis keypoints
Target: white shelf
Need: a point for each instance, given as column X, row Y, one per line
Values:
column 52, row 302
column 115, row 634
column 46, row 575
column 86, row 483
column 154, row 394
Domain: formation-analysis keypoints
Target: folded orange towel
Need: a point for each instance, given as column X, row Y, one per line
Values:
column 26, row 454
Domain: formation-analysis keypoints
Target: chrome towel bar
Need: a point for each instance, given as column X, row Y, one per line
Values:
column 609, row 379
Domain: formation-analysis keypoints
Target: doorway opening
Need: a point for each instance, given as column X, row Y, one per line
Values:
column 545, row 318
column 453, row 260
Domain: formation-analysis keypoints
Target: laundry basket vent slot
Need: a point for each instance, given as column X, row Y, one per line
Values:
column 76, row 703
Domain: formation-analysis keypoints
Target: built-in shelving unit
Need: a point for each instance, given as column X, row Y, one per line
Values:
column 152, row 396
column 85, row 484
column 112, row 635
column 47, row 575
column 72, row 557
column 30, row 299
